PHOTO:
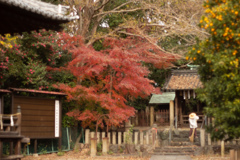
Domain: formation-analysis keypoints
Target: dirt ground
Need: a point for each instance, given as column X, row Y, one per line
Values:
column 74, row 155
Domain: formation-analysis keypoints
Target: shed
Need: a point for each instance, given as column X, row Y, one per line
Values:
column 41, row 117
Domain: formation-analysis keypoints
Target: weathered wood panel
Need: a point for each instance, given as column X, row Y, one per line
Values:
column 38, row 106
column 39, row 101
column 39, row 112
column 37, row 123
column 39, row 129
column 43, row 135
column 38, row 116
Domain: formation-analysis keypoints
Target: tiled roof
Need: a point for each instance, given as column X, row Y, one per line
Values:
column 163, row 98
column 183, row 80
column 30, row 15
column 37, row 91
column 42, row 8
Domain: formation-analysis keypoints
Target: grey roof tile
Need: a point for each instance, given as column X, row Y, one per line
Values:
column 48, row 10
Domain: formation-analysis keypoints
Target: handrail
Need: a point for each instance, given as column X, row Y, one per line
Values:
column 14, row 125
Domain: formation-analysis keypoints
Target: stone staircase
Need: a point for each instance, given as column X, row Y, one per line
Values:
column 179, row 145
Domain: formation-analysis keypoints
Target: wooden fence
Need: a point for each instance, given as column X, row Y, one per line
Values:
column 136, row 137
column 142, row 118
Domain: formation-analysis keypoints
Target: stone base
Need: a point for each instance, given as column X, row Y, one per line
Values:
column 35, row 155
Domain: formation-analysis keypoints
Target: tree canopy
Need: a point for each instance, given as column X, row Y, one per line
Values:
column 218, row 57
column 106, row 79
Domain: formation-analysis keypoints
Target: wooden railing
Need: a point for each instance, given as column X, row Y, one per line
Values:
column 10, row 124
column 142, row 118
column 10, row 131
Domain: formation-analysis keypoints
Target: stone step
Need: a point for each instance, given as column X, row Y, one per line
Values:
column 181, row 143
column 184, row 134
column 180, row 150
column 162, row 153
column 177, row 139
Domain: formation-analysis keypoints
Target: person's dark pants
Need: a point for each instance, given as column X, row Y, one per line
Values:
column 195, row 133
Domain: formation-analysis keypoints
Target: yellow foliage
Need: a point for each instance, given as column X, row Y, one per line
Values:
column 8, row 41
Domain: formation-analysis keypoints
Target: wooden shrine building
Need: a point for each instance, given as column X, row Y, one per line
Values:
column 181, row 85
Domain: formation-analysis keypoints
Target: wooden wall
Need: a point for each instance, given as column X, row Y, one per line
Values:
column 38, row 116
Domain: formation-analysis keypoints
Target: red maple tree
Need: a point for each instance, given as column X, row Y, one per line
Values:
column 107, row 78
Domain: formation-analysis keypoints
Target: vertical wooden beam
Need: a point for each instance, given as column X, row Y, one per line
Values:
column 176, row 110
column 1, row 149
column 151, row 115
column 17, row 148
column 171, row 113
column 11, row 148
column 35, row 145
column 136, row 120
column 180, row 113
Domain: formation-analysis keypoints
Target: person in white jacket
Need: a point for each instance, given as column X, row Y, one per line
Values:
column 193, row 124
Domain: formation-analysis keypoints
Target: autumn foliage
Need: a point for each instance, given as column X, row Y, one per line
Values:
column 106, row 79
column 218, row 60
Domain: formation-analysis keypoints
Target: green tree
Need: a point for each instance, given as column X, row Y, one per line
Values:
column 32, row 60
column 218, row 57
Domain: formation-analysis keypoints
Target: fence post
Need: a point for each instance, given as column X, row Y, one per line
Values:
column 147, row 137
column 141, row 137
column 238, row 154
column 232, row 154
column 222, row 148
column 119, row 138
column 135, row 137
column 105, row 145
column 93, row 147
column 202, row 137
column 87, row 138
column 113, row 137
column 92, row 134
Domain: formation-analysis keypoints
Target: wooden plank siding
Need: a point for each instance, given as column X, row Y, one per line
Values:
column 38, row 117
